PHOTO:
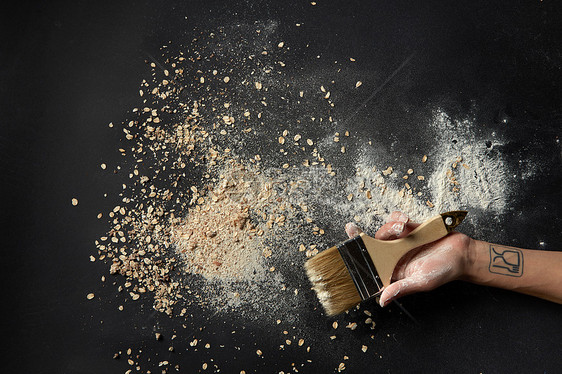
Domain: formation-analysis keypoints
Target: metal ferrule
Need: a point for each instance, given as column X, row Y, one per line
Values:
column 360, row 267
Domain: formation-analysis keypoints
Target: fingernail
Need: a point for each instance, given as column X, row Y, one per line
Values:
column 397, row 228
column 403, row 218
column 382, row 303
column 352, row 228
column 351, row 225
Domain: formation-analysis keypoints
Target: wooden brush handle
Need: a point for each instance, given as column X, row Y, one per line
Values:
column 386, row 253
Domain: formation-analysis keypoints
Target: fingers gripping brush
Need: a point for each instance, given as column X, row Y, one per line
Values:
column 359, row 268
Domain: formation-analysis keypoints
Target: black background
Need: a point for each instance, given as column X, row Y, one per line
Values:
column 68, row 68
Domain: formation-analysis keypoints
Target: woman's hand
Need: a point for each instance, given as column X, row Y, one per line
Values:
column 424, row 268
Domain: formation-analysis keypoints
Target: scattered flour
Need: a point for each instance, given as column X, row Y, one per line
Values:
column 468, row 174
column 464, row 174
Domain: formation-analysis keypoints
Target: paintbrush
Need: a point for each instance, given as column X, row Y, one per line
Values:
column 359, row 268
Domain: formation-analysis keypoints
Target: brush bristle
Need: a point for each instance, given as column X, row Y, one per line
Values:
column 331, row 281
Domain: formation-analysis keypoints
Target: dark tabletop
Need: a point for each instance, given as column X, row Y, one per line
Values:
column 68, row 68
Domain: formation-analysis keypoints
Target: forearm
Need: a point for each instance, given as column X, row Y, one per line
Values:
column 533, row 272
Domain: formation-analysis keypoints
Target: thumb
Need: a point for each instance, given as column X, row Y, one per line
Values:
column 397, row 289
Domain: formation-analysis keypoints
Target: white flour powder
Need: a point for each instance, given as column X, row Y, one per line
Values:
column 465, row 174
column 468, row 174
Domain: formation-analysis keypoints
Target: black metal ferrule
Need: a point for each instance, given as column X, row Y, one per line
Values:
column 360, row 267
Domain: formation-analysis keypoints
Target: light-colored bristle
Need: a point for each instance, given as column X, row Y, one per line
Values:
column 331, row 281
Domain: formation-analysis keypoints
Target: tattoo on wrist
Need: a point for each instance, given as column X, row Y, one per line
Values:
column 506, row 260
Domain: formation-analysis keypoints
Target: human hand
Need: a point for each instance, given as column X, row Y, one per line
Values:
column 424, row 268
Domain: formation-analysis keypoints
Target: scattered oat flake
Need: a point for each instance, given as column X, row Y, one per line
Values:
column 226, row 79
column 309, row 141
column 74, row 201
column 424, row 158
column 364, row 348
column 359, row 83
column 90, row 296
column 281, row 44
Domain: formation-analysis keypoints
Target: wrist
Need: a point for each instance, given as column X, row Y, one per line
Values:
column 472, row 253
